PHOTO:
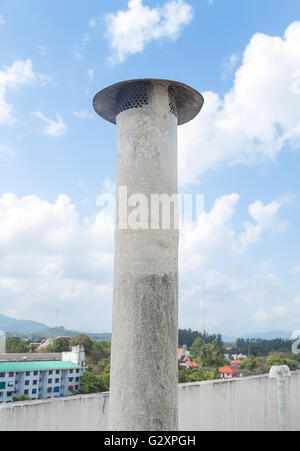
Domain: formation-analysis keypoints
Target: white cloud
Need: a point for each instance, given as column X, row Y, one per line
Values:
column 42, row 50
column 215, row 276
column 77, row 54
column 214, row 231
column 6, row 151
column 94, row 22
column 265, row 217
column 13, row 77
column 229, row 65
column 256, row 119
column 295, row 271
column 91, row 74
column 86, row 39
column 53, row 127
column 130, row 31
column 50, row 258
column 83, row 114
column 2, row 20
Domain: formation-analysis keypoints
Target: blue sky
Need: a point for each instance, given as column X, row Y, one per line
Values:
column 241, row 263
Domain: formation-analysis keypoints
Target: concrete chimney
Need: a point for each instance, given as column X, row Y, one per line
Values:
column 144, row 376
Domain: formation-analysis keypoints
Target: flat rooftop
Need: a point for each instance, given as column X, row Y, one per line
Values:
column 34, row 357
column 36, row 366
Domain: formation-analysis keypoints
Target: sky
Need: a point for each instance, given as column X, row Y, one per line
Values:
column 240, row 259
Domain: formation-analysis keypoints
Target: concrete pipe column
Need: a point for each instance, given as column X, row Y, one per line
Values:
column 144, row 378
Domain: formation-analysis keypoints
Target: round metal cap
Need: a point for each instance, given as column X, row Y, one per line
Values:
column 189, row 102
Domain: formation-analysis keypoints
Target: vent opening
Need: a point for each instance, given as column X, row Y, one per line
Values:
column 132, row 96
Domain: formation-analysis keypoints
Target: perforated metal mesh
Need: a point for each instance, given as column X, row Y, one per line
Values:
column 172, row 100
column 132, row 96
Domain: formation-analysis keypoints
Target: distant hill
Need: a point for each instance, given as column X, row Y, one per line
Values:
column 62, row 332
column 19, row 326
column 284, row 335
column 35, row 331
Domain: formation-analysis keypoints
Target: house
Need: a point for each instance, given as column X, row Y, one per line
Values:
column 41, row 376
column 183, row 354
column 47, row 342
column 229, row 372
column 184, row 358
column 190, row 364
column 236, row 363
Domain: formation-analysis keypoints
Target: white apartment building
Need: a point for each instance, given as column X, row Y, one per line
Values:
column 36, row 378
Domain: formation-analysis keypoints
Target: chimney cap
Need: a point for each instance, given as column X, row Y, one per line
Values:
column 189, row 102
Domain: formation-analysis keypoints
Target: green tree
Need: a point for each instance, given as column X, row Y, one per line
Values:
column 61, row 345
column 209, row 355
column 15, row 345
column 197, row 347
column 85, row 341
column 277, row 358
column 91, row 383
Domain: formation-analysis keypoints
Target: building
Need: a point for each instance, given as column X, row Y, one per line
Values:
column 236, row 363
column 184, row 358
column 190, row 364
column 229, row 372
column 47, row 342
column 183, row 355
column 38, row 376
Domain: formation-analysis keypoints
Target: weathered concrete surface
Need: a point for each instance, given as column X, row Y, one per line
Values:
column 247, row 404
column 189, row 101
column 145, row 311
column 78, row 413
column 240, row 405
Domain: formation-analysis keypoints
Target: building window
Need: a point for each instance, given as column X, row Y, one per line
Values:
column 2, row 375
column 57, row 372
column 57, row 381
column 71, row 371
column 26, row 392
column 49, row 381
column 36, row 373
column 27, row 373
column 27, row 382
column 49, row 390
column 11, row 374
column 50, row 372
column 35, row 382
column 34, row 391
column 71, row 379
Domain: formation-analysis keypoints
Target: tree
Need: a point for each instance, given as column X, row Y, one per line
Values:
column 15, row 345
column 281, row 359
column 61, row 345
column 101, row 351
column 91, row 383
column 85, row 341
column 197, row 347
column 209, row 355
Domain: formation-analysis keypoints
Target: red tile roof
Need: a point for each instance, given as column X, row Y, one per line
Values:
column 192, row 364
column 236, row 362
column 228, row 370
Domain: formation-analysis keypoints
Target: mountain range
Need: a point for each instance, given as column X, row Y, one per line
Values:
column 20, row 326
column 14, row 326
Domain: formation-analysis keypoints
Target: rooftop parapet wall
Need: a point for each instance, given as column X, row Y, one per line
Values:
column 231, row 405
